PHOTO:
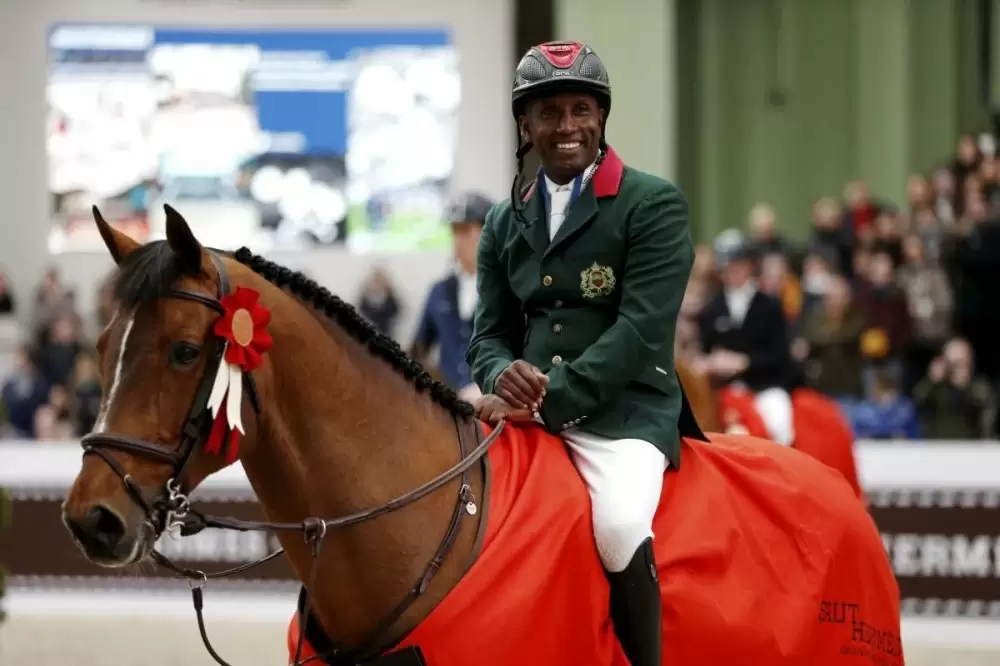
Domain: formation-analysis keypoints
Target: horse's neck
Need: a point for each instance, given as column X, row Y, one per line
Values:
column 341, row 432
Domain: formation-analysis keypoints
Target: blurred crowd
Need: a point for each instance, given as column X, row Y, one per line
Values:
column 51, row 385
column 889, row 309
column 892, row 310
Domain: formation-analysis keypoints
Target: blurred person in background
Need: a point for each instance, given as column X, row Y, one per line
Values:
column 918, row 194
column 6, row 296
column 703, row 270
column 964, row 165
column 60, row 347
column 761, row 226
column 830, row 345
column 926, row 226
column 777, row 280
column 861, row 267
column 887, row 317
column 943, row 196
column 52, row 299
column 886, row 413
column 989, row 176
column 953, row 400
column 974, row 269
column 745, row 338
column 930, row 302
column 52, row 420
column 687, row 344
column 378, row 302
column 818, row 269
column 830, row 235
column 86, row 392
column 860, row 210
column 446, row 322
column 888, row 235
column 24, row 391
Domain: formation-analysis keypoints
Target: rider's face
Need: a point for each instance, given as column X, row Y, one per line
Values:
column 566, row 132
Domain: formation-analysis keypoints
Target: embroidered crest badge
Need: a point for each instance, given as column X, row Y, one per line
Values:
column 597, row 281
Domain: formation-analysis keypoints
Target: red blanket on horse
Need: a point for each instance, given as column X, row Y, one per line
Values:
column 765, row 557
column 820, row 428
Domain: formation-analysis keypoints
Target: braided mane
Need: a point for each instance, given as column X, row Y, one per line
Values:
column 359, row 328
column 151, row 270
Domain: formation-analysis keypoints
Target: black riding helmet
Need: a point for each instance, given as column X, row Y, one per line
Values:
column 550, row 69
column 556, row 67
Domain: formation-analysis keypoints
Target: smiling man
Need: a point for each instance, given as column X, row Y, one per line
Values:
column 580, row 279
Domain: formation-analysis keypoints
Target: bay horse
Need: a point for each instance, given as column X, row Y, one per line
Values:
column 420, row 535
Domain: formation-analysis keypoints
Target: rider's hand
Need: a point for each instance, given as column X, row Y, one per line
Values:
column 492, row 408
column 522, row 385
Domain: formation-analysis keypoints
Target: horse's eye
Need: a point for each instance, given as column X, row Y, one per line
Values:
column 184, row 353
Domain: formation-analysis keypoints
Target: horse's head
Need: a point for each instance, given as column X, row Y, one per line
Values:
column 168, row 365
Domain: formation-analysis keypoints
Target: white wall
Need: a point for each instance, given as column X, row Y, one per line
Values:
column 481, row 29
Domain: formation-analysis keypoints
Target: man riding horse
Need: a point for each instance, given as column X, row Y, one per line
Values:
column 580, row 279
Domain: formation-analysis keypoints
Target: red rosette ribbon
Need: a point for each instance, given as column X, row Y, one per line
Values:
column 243, row 326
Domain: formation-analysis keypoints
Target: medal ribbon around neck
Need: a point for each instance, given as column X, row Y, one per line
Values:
column 243, row 326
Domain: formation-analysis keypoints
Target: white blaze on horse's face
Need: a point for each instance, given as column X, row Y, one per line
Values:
column 102, row 418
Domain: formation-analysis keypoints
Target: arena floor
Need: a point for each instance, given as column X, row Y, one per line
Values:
column 161, row 631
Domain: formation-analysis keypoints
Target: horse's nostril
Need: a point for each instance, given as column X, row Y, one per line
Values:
column 103, row 528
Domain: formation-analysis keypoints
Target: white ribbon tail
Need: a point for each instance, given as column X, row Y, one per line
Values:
column 235, row 399
column 220, row 385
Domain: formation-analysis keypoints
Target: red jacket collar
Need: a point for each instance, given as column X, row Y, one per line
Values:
column 607, row 179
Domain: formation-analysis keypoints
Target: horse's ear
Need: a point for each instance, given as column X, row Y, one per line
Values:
column 119, row 244
column 186, row 247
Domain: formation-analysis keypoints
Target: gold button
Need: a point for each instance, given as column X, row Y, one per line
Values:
column 557, row 359
column 557, row 328
column 547, row 280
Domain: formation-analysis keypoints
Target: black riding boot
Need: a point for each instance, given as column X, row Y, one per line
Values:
column 635, row 608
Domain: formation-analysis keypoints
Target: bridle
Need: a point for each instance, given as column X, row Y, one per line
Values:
column 171, row 510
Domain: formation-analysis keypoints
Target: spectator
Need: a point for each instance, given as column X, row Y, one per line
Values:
column 703, row 270
column 888, row 235
column 777, row 279
column 860, row 211
column 918, row 194
column 975, row 270
column 818, row 270
column 6, row 296
column 927, row 227
column 57, row 357
column 943, row 196
column 86, row 392
column 954, row 401
column 830, row 344
column 965, row 163
column 52, row 420
column 744, row 336
column 761, row 225
column 886, row 315
column 446, row 322
column 379, row 303
column 930, row 302
column 989, row 177
column 861, row 263
column 52, row 299
column 829, row 235
column 886, row 414
column 24, row 391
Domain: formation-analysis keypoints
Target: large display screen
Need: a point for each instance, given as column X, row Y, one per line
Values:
column 272, row 139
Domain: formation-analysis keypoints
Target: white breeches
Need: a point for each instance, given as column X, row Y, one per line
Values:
column 625, row 478
column 775, row 408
